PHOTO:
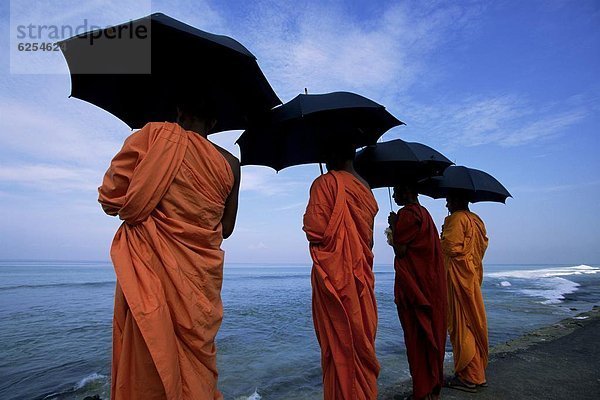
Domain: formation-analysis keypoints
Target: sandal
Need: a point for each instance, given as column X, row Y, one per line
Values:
column 456, row 383
column 483, row 385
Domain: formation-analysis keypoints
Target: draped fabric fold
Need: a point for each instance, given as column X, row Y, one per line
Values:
column 464, row 242
column 169, row 186
column 339, row 226
column 420, row 295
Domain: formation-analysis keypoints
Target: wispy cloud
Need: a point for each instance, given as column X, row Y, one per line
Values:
column 258, row 246
column 547, row 126
column 49, row 177
column 292, row 206
column 505, row 120
column 263, row 181
column 324, row 49
column 556, row 188
column 35, row 131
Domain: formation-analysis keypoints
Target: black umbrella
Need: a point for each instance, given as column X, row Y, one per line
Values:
column 394, row 162
column 140, row 69
column 299, row 131
column 478, row 185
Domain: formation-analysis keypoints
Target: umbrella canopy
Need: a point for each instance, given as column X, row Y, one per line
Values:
column 479, row 185
column 394, row 162
column 299, row 131
column 140, row 69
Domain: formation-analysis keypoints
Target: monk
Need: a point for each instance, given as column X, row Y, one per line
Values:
column 177, row 195
column 419, row 291
column 464, row 242
column 339, row 226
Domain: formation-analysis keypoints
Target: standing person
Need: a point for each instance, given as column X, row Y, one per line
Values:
column 177, row 194
column 419, row 291
column 339, row 226
column 464, row 242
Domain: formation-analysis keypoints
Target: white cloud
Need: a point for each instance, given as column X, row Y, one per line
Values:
column 292, row 206
column 548, row 125
column 35, row 131
column 98, row 12
column 69, row 17
column 506, row 120
column 198, row 13
column 258, row 246
column 50, row 177
column 324, row 49
column 556, row 188
column 265, row 181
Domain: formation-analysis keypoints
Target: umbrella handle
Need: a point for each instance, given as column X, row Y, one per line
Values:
column 390, row 194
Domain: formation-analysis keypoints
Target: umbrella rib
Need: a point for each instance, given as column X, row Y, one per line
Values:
column 472, row 183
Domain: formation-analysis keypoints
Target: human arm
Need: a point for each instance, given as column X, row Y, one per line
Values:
column 318, row 210
column 112, row 194
column 231, row 204
column 399, row 249
column 405, row 225
column 453, row 235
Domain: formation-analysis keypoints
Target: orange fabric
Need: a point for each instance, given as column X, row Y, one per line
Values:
column 420, row 295
column 339, row 226
column 464, row 242
column 475, row 370
column 169, row 186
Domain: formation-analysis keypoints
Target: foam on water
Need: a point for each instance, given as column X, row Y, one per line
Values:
column 448, row 356
column 547, row 283
column 89, row 379
column 253, row 396
column 80, row 387
column 546, row 272
column 552, row 289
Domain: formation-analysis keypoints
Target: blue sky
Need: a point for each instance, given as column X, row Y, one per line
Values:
column 509, row 87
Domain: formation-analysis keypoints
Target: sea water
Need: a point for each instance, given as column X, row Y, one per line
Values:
column 55, row 325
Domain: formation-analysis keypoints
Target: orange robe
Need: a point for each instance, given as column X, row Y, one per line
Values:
column 339, row 226
column 420, row 295
column 464, row 242
column 169, row 186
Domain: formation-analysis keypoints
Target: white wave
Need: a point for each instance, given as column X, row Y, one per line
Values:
column 448, row 356
column 546, row 272
column 547, row 283
column 553, row 289
column 253, row 396
column 88, row 379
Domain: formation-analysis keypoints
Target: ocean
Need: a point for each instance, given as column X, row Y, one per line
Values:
column 55, row 325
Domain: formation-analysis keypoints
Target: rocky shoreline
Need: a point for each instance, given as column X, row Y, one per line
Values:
column 531, row 365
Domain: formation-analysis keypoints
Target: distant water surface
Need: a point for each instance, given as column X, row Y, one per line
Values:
column 55, row 325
